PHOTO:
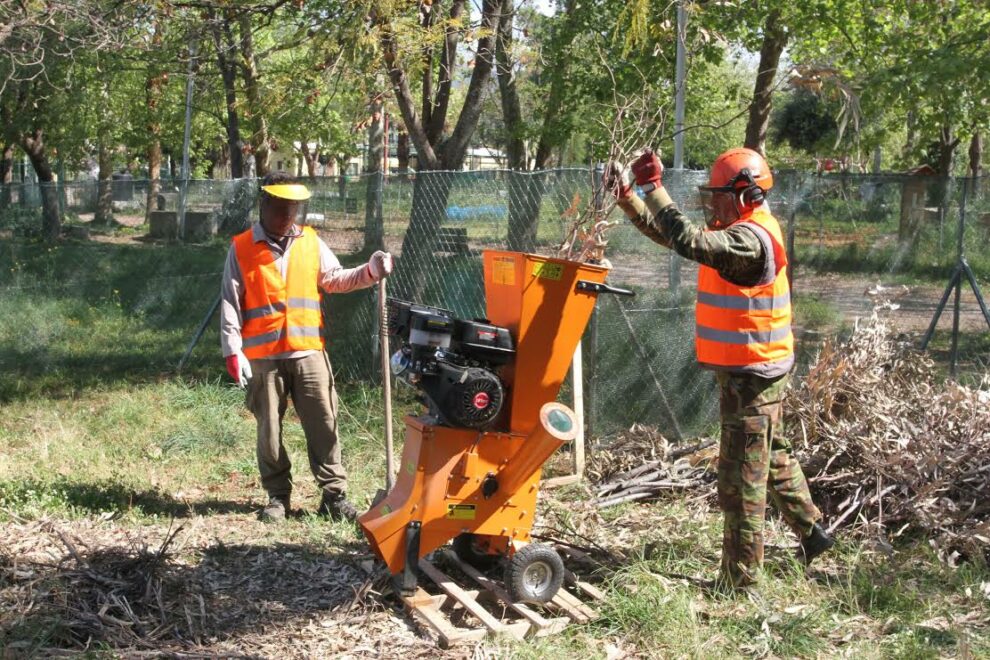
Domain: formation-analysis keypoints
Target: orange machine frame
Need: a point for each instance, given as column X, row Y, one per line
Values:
column 440, row 489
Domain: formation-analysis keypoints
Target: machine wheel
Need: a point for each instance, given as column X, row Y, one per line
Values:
column 534, row 574
column 466, row 547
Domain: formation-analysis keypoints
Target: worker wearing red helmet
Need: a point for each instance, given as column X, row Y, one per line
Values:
column 743, row 332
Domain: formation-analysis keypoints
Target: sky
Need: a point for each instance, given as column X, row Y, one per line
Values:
column 545, row 7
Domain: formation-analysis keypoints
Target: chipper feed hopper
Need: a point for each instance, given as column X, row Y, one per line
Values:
column 470, row 468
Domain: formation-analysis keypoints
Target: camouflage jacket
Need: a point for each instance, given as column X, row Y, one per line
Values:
column 736, row 252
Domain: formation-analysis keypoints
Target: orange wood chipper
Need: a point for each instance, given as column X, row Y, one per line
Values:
column 470, row 467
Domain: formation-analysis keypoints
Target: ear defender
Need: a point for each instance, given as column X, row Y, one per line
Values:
column 752, row 195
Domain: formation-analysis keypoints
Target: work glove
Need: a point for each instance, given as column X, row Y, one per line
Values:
column 380, row 265
column 648, row 170
column 616, row 181
column 239, row 368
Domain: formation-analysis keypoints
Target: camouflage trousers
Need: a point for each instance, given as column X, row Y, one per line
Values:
column 755, row 457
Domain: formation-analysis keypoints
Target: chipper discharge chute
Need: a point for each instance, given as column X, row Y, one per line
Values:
column 470, row 468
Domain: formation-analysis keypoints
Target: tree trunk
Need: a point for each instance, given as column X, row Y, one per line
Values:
column 223, row 42
column 104, row 191
column 154, row 86
column 976, row 155
column 311, row 158
column 154, row 178
column 402, row 151
column 910, row 139
column 33, row 145
column 774, row 40
column 515, row 150
column 6, row 174
column 342, row 180
column 431, row 189
column 455, row 147
column 946, row 151
column 374, row 231
column 525, row 198
column 249, row 71
column 525, row 191
column 429, row 205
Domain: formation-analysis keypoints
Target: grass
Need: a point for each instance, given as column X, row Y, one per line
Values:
column 844, row 246
column 857, row 603
column 145, row 450
column 813, row 313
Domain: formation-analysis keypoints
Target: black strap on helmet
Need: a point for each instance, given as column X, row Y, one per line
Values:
column 752, row 194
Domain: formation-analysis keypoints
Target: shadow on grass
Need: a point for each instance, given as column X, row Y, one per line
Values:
column 107, row 497
column 25, row 375
column 82, row 315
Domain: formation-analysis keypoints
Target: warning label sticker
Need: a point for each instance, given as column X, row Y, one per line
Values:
column 548, row 271
column 461, row 511
column 504, row 271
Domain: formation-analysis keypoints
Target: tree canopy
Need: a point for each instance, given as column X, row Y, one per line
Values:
column 99, row 82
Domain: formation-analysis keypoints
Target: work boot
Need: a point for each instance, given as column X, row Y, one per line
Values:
column 336, row 507
column 276, row 510
column 815, row 544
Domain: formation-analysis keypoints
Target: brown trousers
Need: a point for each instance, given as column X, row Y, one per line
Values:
column 309, row 381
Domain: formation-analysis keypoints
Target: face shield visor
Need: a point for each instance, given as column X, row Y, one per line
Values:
column 283, row 208
column 719, row 205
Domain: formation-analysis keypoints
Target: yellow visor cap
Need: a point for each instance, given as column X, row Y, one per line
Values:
column 295, row 192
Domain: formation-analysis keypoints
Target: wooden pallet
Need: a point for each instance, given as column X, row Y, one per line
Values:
column 517, row 620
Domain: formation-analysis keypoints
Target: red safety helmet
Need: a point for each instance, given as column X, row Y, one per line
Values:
column 741, row 170
column 745, row 176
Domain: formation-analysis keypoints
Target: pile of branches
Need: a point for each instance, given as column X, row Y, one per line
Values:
column 67, row 588
column 889, row 446
column 113, row 595
column 642, row 464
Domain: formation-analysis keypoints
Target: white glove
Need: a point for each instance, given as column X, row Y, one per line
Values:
column 380, row 264
column 239, row 368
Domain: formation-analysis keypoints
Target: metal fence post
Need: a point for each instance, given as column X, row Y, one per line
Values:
column 591, row 425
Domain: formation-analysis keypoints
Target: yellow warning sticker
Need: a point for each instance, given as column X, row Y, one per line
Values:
column 461, row 511
column 504, row 271
column 548, row 271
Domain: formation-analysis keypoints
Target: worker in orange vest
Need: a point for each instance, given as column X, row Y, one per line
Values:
column 743, row 333
column 271, row 333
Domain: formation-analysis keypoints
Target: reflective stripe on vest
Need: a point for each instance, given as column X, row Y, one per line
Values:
column 279, row 314
column 738, row 326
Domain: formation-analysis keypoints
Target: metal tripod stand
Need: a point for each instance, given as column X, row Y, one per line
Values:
column 961, row 270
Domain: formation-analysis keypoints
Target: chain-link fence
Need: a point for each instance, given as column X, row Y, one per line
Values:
column 125, row 303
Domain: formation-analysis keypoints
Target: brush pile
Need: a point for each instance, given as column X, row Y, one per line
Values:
column 891, row 447
column 642, row 464
column 111, row 594
column 80, row 586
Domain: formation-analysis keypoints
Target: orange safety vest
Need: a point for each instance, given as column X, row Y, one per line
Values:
column 738, row 326
column 280, row 315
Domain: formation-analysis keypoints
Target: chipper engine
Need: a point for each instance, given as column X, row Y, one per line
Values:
column 471, row 465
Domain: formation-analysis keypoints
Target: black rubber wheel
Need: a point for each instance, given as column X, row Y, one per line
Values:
column 465, row 545
column 535, row 574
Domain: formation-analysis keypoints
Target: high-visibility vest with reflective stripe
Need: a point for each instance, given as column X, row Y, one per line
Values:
column 740, row 326
column 280, row 315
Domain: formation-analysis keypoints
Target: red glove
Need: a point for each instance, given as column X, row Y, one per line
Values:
column 648, row 169
column 232, row 369
column 615, row 182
